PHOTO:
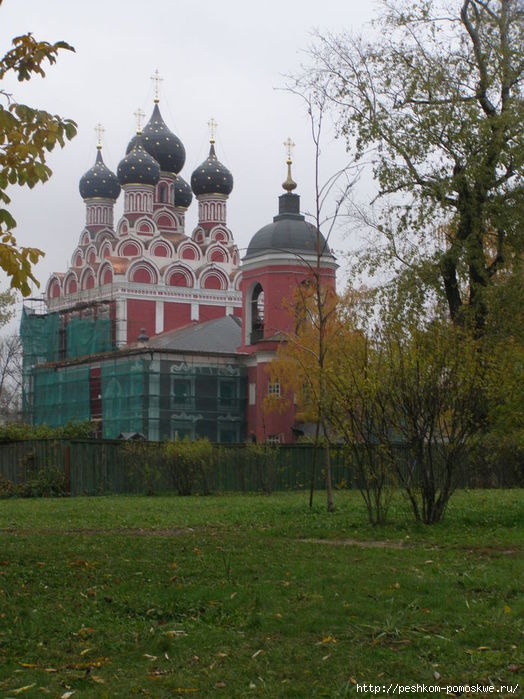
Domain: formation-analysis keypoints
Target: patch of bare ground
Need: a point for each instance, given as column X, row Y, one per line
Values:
column 494, row 551
column 359, row 543
column 128, row 531
column 481, row 551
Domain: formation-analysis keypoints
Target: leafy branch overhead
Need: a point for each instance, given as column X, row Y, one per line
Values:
column 435, row 95
column 27, row 134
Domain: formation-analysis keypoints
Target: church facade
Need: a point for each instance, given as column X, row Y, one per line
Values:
column 162, row 331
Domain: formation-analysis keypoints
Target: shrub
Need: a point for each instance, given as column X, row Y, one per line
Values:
column 46, row 482
column 190, row 465
column 16, row 432
column 262, row 460
column 8, row 489
column 145, row 464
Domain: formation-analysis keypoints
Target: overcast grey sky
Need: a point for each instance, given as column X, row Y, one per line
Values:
column 225, row 60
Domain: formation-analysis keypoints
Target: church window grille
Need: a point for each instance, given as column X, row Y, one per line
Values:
column 273, row 389
column 274, row 439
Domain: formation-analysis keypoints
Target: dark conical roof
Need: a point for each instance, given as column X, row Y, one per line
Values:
column 183, row 193
column 99, row 181
column 138, row 167
column 211, row 177
column 161, row 143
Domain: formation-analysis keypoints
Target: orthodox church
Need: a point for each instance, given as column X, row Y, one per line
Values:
column 162, row 331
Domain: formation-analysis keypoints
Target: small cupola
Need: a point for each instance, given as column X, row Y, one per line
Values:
column 99, row 181
column 211, row 176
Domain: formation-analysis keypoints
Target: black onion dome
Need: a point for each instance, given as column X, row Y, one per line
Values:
column 166, row 148
column 99, row 181
column 138, row 167
column 211, row 177
column 137, row 139
column 289, row 233
column 183, row 193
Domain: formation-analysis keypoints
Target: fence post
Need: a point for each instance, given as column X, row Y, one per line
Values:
column 67, row 468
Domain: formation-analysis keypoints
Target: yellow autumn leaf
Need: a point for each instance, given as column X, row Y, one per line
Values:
column 20, row 690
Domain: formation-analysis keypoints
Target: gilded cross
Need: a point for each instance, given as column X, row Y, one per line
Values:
column 139, row 115
column 99, row 130
column 289, row 145
column 212, row 129
column 157, row 80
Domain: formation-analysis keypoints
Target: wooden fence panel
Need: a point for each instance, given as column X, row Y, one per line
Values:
column 95, row 467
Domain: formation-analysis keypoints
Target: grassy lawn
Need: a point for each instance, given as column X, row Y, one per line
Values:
column 256, row 596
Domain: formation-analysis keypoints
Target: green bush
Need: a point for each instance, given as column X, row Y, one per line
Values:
column 16, row 432
column 8, row 489
column 145, row 461
column 262, row 461
column 190, row 465
column 46, row 482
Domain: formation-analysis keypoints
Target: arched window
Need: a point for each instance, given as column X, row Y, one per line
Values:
column 257, row 314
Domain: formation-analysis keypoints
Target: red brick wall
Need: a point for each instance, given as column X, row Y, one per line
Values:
column 140, row 314
column 176, row 315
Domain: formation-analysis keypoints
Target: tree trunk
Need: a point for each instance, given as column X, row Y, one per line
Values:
column 327, row 465
column 314, row 466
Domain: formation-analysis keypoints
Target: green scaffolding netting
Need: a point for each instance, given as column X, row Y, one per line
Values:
column 61, row 396
column 87, row 336
column 49, row 338
column 83, row 336
column 40, row 336
column 161, row 398
column 122, row 397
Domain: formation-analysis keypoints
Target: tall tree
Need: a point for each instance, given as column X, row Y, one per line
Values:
column 314, row 304
column 7, row 302
column 304, row 360
column 436, row 100
column 27, row 134
column 10, row 378
column 434, row 387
